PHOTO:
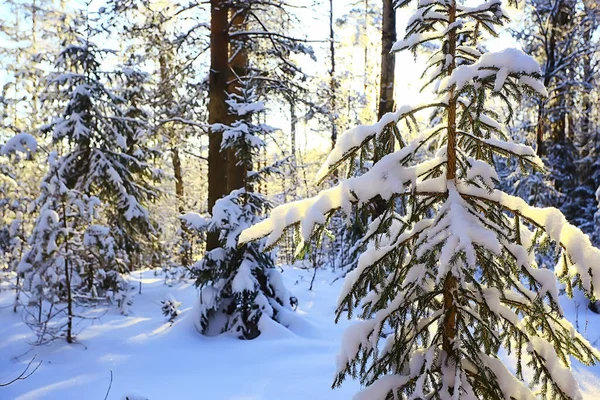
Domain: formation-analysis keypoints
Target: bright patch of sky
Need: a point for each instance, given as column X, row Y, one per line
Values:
column 408, row 82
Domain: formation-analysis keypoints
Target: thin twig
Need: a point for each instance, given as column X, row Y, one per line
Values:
column 109, row 385
column 24, row 375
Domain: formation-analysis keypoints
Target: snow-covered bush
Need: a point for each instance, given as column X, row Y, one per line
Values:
column 53, row 266
column 16, row 192
column 239, row 285
column 170, row 308
column 453, row 273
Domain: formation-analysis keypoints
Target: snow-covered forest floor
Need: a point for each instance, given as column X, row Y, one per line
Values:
column 152, row 359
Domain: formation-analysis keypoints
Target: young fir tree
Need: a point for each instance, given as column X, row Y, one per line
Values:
column 52, row 268
column 454, row 276
column 103, row 137
column 15, row 196
column 106, row 134
column 240, row 288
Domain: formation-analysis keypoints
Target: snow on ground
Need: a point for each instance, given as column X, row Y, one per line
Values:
column 150, row 358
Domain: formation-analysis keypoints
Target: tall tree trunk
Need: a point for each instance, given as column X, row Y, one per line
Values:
column 238, row 59
column 388, row 60
column 166, row 92
column 68, row 276
column 332, row 82
column 217, row 107
column 386, row 87
column 450, row 284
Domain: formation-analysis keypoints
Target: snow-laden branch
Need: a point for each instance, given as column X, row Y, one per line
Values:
column 502, row 64
column 390, row 176
column 354, row 138
column 516, row 149
column 585, row 257
column 22, row 142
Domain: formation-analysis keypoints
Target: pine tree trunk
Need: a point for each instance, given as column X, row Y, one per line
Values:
column 450, row 283
column 386, row 86
column 539, row 135
column 67, row 278
column 238, row 56
column 332, row 82
column 179, row 190
column 388, row 60
column 186, row 256
column 166, row 91
column 217, row 107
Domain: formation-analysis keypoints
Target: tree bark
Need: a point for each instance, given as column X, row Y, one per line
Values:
column 388, row 60
column 67, row 277
column 238, row 59
column 166, row 92
column 386, row 88
column 332, row 82
column 217, row 107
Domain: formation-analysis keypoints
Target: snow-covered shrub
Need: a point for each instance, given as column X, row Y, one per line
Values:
column 452, row 270
column 170, row 307
column 53, row 266
column 239, row 285
column 17, row 185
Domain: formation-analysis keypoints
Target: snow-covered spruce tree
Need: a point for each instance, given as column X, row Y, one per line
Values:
column 15, row 196
column 240, row 288
column 53, row 266
column 105, row 132
column 136, row 232
column 454, row 278
column 100, row 179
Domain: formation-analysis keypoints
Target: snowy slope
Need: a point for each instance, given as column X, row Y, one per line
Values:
column 157, row 361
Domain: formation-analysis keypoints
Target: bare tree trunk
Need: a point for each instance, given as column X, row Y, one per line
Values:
column 388, row 60
column 67, row 278
column 332, row 82
column 217, row 107
column 238, row 59
column 166, row 92
column 386, row 88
